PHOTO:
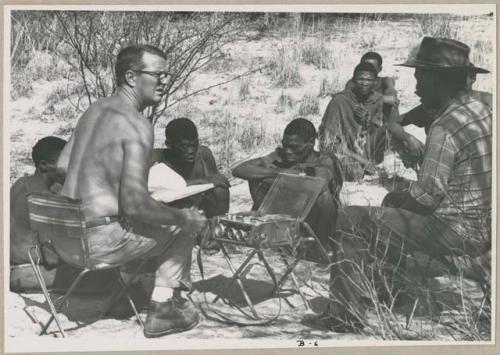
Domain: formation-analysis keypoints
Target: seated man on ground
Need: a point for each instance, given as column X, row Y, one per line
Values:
column 196, row 164
column 107, row 162
column 353, row 124
column 46, row 179
column 297, row 155
column 57, row 274
column 445, row 214
column 410, row 148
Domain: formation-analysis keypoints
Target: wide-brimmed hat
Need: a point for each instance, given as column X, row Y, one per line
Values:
column 476, row 70
column 442, row 53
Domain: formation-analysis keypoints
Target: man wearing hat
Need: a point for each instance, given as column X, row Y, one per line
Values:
column 409, row 147
column 446, row 213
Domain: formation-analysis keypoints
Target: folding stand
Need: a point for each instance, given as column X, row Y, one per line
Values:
column 292, row 196
column 304, row 243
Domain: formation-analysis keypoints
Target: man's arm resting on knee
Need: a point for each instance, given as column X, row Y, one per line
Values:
column 412, row 144
column 258, row 169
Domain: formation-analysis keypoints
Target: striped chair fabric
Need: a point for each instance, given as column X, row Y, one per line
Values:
column 60, row 222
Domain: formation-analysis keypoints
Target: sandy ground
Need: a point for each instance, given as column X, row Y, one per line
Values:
column 26, row 311
column 30, row 120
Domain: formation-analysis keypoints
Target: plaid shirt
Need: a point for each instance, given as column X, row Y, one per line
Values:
column 322, row 165
column 455, row 177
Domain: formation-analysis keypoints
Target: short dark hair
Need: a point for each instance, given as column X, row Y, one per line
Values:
column 301, row 127
column 46, row 148
column 131, row 58
column 372, row 55
column 180, row 128
column 364, row 66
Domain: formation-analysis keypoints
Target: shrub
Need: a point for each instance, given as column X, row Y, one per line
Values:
column 309, row 105
column 285, row 102
column 284, row 67
column 317, row 54
column 326, row 87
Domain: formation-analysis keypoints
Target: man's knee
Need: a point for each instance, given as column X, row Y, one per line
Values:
column 216, row 202
column 325, row 204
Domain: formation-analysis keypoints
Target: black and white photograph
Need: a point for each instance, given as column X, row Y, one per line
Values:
column 229, row 177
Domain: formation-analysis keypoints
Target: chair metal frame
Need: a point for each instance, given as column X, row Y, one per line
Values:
column 245, row 266
column 41, row 225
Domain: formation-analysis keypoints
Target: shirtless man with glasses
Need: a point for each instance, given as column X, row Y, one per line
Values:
column 107, row 163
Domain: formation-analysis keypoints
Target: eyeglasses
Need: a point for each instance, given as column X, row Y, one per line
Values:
column 159, row 75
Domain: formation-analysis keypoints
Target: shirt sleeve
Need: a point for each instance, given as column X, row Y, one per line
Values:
column 416, row 116
column 433, row 176
column 329, row 169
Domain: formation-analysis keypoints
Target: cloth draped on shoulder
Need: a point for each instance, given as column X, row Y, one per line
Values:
column 350, row 126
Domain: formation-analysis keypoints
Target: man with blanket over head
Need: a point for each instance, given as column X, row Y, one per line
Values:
column 353, row 124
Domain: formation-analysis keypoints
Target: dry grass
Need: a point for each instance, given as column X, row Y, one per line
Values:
column 284, row 66
column 309, row 105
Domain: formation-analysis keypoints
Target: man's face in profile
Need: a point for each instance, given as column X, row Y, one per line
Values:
column 186, row 149
column 427, row 88
column 364, row 82
column 295, row 148
column 49, row 168
column 150, row 86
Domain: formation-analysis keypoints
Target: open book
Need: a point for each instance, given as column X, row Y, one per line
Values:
column 165, row 185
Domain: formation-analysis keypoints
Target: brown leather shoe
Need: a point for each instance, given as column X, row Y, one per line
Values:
column 172, row 316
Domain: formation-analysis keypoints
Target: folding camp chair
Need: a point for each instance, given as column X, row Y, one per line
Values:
column 58, row 222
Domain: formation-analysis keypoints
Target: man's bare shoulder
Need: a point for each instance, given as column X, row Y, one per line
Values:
column 118, row 114
column 18, row 186
column 205, row 151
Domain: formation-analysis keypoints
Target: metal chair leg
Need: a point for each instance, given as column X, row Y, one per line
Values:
column 125, row 286
column 236, row 273
column 236, row 276
column 66, row 296
column 129, row 299
column 295, row 282
column 41, row 281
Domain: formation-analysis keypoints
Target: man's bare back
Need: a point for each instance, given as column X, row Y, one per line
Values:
column 97, row 158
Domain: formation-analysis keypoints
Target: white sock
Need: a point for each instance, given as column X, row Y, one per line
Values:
column 162, row 294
